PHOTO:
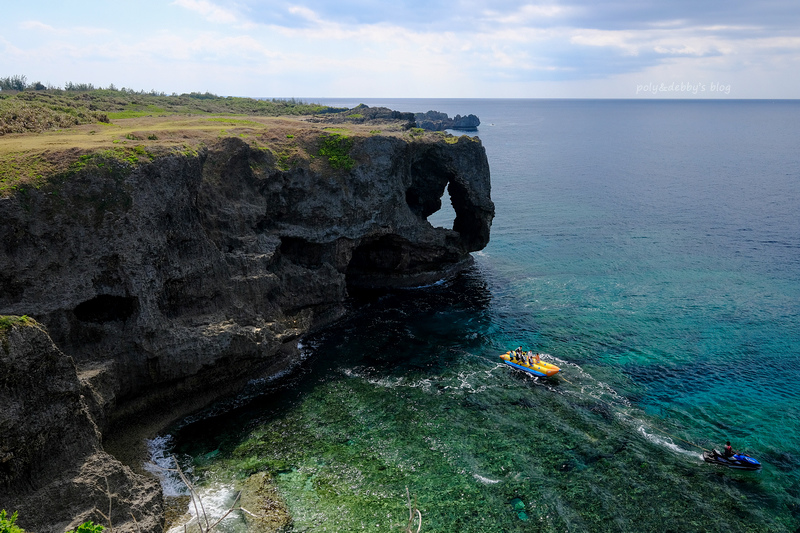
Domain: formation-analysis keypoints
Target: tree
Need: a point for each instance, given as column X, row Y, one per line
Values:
column 13, row 83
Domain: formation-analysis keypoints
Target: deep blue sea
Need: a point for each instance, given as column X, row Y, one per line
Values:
column 653, row 249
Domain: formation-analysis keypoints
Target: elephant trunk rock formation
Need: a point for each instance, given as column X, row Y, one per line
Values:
column 176, row 280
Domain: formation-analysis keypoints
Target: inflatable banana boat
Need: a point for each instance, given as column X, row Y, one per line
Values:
column 531, row 364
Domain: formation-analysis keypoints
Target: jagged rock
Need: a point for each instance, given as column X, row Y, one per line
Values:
column 466, row 123
column 363, row 114
column 176, row 281
column 437, row 121
column 53, row 470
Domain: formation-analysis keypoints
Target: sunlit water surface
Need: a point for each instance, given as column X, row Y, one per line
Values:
column 653, row 248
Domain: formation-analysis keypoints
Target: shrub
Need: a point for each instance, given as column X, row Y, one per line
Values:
column 88, row 527
column 20, row 116
column 13, row 83
column 7, row 524
column 336, row 148
column 78, row 87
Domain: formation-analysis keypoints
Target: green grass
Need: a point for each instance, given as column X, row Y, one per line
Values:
column 132, row 155
column 6, row 323
column 234, row 121
column 30, row 111
column 20, row 171
column 18, row 168
column 128, row 114
column 336, row 148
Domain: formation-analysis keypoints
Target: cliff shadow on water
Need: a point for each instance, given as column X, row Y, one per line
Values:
column 389, row 333
column 417, row 337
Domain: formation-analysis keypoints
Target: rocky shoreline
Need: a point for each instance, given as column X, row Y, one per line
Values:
column 160, row 284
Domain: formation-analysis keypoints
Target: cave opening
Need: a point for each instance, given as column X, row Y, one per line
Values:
column 106, row 308
column 429, row 195
column 374, row 260
column 445, row 217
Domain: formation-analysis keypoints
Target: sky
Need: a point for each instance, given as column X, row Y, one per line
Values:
column 411, row 48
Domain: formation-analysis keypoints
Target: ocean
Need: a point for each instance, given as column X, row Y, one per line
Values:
column 652, row 248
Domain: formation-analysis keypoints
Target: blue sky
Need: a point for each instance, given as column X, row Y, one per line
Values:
column 412, row 48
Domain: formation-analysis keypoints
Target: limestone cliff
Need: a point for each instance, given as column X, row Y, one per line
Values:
column 53, row 470
column 182, row 277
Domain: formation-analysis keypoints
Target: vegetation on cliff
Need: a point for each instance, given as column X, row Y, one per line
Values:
column 8, row 523
column 6, row 323
column 41, row 110
column 49, row 135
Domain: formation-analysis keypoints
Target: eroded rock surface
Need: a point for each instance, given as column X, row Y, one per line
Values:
column 53, row 470
column 438, row 121
column 184, row 277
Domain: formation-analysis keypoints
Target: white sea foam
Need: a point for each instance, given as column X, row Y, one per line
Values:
column 665, row 442
column 160, row 464
column 485, row 480
column 217, row 500
column 434, row 284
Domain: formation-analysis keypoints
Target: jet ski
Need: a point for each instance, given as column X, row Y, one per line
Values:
column 738, row 461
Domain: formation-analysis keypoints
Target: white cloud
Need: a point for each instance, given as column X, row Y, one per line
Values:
column 527, row 14
column 626, row 41
column 37, row 26
column 305, row 13
column 209, row 11
column 302, row 48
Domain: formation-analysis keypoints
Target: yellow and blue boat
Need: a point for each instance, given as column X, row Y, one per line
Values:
column 533, row 365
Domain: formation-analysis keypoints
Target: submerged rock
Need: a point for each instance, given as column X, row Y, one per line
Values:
column 267, row 512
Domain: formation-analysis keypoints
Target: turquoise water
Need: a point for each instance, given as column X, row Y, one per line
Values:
column 653, row 248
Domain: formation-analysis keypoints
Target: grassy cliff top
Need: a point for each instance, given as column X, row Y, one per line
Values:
column 36, row 111
column 47, row 133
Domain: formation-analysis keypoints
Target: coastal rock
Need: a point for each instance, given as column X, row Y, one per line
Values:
column 53, row 470
column 169, row 283
column 192, row 271
column 437, row 121
column 364, row 114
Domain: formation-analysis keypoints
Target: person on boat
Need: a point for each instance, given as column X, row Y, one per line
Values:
column 518, row 353
column 533, row 357
column 728, row 450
